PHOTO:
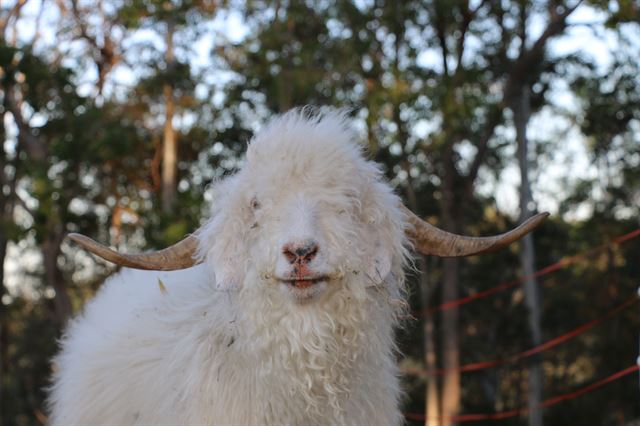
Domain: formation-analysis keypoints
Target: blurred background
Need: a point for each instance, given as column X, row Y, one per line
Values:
column 117, row 115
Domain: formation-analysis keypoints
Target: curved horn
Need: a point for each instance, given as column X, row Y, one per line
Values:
column 427, row 239
column 181, row 255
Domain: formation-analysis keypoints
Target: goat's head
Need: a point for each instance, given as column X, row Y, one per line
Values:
column 305, row 211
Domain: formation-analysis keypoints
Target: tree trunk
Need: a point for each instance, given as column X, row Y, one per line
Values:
column 432, row 398
column 170, row 148
column 50, row 252
column 432, row 408
column 4, row 322
column 450, row 344
column 521, row 109
column 6, row 215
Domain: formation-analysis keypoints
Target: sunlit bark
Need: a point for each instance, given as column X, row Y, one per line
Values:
column 170, row 147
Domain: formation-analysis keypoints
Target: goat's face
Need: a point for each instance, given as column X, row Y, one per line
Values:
column 306, row 215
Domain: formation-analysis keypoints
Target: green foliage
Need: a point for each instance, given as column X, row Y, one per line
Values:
column 139, row 13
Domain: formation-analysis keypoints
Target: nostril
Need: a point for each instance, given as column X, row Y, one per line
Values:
column 311, row 253
column 289, row 255
column 300, row 253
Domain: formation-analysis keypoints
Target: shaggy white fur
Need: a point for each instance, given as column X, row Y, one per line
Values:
column 232, row 342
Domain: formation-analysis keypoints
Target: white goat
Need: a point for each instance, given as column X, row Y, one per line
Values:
column 290, row 318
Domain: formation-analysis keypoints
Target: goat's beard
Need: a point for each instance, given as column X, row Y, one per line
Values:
column 345, row 310
column 319, row 345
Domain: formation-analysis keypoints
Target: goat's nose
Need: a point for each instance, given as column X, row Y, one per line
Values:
column 300, row 253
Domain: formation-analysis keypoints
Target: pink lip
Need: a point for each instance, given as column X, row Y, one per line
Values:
column 304, row 282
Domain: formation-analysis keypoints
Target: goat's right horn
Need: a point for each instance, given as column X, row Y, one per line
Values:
column 180, row 255
column 430, row 240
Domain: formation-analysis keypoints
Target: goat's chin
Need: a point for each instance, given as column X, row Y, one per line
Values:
column 304, row 295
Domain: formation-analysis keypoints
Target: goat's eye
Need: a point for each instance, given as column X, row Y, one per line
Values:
column 255, row 204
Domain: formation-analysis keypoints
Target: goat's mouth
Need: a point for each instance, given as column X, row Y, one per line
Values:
column 304, row 282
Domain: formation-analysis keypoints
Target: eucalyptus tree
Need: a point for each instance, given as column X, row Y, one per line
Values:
column 168, row 71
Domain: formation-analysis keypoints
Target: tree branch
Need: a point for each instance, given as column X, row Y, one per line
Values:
column 467, row 17
column 23, row 204
column 38, row 31
column 34, row 146
column 105, row 56
column 440, row 24
column 15, row 11
column 495, row 119
column 530, row 57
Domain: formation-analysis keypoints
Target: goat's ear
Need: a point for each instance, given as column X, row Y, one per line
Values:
column 222, row 241
column 227, row 265
column 381, row 260
column 385, row 230
column 219, row 250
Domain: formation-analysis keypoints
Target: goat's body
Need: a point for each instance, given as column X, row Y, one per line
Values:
column 261, row 334
column 295, row 327
column 187, row 354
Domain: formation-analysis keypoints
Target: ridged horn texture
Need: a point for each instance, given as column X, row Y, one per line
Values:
column 181, row 255
column 429, row 240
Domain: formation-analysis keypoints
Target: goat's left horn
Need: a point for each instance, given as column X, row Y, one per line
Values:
column 430, row 240
column 181, row 255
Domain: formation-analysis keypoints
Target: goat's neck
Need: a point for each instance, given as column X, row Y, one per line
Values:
column 312, row 353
